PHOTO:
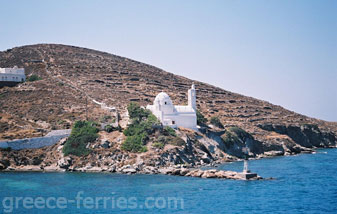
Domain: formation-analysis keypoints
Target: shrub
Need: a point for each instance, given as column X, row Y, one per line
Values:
column 109, row 128
column 200, row 118
column 158, row 145
column 235, row 135
column 216, row 122
column 137, row 113
column 134, row 144
column 176, row 141
column 82, row 133
column 105, row 118
column 173, row 140
column 162, row 139
column 33, row 78
column 168, row 131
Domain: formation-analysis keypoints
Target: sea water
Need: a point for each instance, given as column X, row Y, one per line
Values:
column 305, row 183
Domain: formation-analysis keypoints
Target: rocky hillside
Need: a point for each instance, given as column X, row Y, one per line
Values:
column 73, row 76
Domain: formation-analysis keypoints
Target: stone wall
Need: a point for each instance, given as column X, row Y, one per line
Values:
column 37, row 142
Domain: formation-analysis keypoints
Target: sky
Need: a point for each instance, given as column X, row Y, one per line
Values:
column 281, row 51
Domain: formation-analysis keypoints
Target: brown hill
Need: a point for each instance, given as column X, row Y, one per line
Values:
column 72, row 76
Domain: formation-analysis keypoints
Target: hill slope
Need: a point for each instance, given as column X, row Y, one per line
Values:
column 72, row 76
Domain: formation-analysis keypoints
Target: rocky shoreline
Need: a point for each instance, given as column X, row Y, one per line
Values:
column 175, row 171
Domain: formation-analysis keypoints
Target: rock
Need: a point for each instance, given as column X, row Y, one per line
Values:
column 60, row 148
column 166, row 171
column 183, row 172
column 30, row 168
column 129, row 170
column 94, row 169
column 2, row 166
column 51, row 168
column 221, row 174
column 105, row 144
column 112, row 168
column 195, row 173
column 150, row 170
column 209, row 174
column 274, row 153
column 64, row 162
column 63, row 141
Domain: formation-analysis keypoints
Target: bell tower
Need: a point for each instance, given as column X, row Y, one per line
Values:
column 192, row 98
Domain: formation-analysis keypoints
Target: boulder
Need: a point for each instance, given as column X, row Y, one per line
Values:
column 183, row 172
column 166, row 171
column 195, row 173
column 51, row 168
column 150, row 170
column 274, row 153
column 2, row 166
column 105, row 144
column 221, row 174
column 63, row 141
column 129, row 170
column 209, row 174
column 65, row 162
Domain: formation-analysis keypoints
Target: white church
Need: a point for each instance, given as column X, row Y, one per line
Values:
column 175, row 116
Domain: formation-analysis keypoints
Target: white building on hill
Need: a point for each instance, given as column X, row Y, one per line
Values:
column 14, row 74
column 175, row 116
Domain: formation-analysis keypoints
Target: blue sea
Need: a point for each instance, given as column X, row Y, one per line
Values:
column 305, row 183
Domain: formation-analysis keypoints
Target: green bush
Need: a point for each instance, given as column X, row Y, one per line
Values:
column 176, row 141
column 134, row 144
column 200, row 118
column 143, row 123
column 109, row 128
column 137, row 113
column 216, row 122
column 158, row 145
column 173, row 140
column 105, row 118
column 168, row 131
column 82, row 133
column 235, row 135
column 33, row 78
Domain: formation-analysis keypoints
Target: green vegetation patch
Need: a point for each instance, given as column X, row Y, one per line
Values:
column 216, row 122
column 235, row 135
column 201, row 120
column 143, row 123
column 158, row 145
column 33, row 78
column 82, row 133
column 168, row 131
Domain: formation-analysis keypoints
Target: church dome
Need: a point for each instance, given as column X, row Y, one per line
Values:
column 163, row 99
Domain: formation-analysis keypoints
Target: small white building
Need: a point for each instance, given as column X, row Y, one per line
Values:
column 175, row 116
column 14, row 74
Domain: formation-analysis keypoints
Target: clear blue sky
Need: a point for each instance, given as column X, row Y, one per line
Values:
column 282, row 51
